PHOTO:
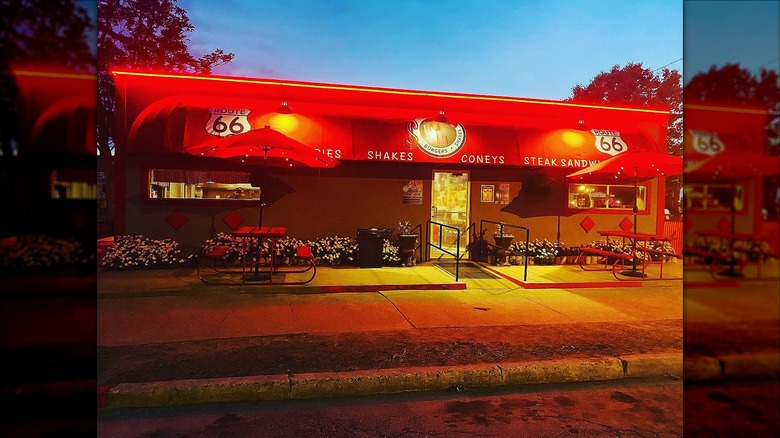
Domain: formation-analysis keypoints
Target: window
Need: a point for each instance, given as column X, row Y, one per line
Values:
column 714, row 197
column 770, row 209
column 199, row 184
column 73, row 184
column 607, row 197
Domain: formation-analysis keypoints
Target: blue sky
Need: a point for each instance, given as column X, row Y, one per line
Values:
column 537, row 49
column 719, row 32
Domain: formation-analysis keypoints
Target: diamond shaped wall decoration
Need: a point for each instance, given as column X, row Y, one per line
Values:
column 587, row 224
column 176, row 219
column 724, row 224
column 233, row 219
column 626, row 224
column 687, row 224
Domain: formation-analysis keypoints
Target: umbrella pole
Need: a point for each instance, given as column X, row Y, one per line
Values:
column 730, row 272
column 633, row 272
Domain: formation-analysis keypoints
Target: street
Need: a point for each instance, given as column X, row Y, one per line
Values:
column 626, row 408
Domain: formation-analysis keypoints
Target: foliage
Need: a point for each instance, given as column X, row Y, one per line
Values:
column 140, row 34
column 334, row 250
column 39, row 251
column 137, row 251
column 237, row 247
column 499, row 229
column 634, row 84
column 404, row 227
column 736, row 85
column 390, row 255
column 51, row 35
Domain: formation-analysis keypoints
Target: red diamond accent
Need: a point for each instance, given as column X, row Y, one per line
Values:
column 724, row 224
column 626, row 224
column 176, row 219
column 687, row 224
column 233, row 219
column 587, row 224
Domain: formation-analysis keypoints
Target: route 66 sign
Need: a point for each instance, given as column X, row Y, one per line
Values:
column 609, row 142
column 228, row 121
column 707, row 143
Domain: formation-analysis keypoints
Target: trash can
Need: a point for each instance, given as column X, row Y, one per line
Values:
column 370, row 247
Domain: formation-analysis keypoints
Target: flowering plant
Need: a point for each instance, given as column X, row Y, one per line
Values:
column 334, row 250
column 132, row 252
column 237, row 247
column 38, row 251
column 404, row 227
column 390, row 255
column 500, row 229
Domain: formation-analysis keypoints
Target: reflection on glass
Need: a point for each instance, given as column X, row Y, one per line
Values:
column 605, row 196
column 185, row 184
column 714, row 197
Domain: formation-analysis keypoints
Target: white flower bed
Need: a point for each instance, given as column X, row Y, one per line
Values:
column 39, row 251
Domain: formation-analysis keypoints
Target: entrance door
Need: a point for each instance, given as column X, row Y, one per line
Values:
column 450, row 206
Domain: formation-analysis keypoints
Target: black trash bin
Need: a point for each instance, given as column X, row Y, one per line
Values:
column 370, row 241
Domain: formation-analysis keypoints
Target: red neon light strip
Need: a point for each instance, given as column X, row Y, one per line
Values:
column 41, row 74
column 385, row 91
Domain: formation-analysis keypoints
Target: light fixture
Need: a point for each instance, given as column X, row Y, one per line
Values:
column 284, row 108
column 441, row 118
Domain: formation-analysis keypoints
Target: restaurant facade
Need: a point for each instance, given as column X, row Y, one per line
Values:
column 402, row 155
column 739, row 132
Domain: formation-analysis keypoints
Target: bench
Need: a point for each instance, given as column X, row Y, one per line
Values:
column 211, row 261
column 712, row 260
column 618, row 256
column 303, row 254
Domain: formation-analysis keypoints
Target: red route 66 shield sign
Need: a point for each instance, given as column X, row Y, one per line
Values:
column 228, row 121
column 609, row 142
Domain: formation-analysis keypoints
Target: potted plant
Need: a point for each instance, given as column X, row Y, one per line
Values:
column 503, row 240
column 407, row 241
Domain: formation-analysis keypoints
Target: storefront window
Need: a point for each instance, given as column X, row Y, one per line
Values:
column 606, row 196
column 73, row 184
column 197, row 184
column 714, row 197
column 770, row 210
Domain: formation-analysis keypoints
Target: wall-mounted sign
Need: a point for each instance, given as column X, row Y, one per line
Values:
column 609, row 142
column 412, row 192
column 707, row 143
column 502, row 194
column 487, row 193
column 228, row 121
column 435, row 139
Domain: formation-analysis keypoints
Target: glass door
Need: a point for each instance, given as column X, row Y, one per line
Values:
column 450, row 206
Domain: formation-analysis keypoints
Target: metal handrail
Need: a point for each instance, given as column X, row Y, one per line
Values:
column 501, row 226
column 428, row 224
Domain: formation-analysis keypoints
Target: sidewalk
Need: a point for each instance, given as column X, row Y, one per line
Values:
column 165, row 338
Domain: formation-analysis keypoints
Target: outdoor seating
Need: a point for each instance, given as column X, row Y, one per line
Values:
column 639, row 258
column 213, row 264
column 741, row 249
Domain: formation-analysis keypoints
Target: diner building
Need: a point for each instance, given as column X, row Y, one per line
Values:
column 746, row 180
column 399, row 155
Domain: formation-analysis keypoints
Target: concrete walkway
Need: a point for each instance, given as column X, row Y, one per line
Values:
column 160, row 334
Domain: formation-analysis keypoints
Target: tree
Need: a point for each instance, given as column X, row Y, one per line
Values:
column 43, row 34
column 733, row 84
column 636, row 85
column 126, row 31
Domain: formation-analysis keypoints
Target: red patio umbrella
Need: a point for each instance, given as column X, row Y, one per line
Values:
column 732, row 166
column 264, row 146
column 632, row 165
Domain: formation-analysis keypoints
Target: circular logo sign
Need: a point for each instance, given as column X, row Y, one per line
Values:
column 436, row 139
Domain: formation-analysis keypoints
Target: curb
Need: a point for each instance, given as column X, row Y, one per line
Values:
column 384, row 381
column 759, row 364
